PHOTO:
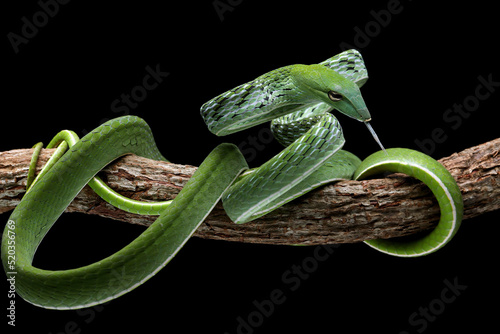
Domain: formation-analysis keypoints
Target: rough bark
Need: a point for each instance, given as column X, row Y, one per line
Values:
column 344, row 212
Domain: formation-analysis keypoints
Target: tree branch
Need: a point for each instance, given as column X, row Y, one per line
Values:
column 344, row 212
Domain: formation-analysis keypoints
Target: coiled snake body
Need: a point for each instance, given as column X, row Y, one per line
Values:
column 298, row 99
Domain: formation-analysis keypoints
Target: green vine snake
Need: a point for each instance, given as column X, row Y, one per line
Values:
column 298, row 99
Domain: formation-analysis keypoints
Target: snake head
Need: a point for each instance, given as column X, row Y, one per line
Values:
column 326, row 85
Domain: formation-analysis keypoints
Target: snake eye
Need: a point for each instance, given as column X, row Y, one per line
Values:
column 334, row 96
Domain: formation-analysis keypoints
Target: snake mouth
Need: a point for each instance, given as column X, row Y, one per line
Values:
column 364, row 114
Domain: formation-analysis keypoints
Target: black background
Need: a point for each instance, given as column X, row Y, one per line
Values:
column 421, row 60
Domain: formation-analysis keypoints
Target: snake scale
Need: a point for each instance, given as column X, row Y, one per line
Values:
column 297, row 99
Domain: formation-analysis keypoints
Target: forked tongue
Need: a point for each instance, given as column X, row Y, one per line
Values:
column 375, row 137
